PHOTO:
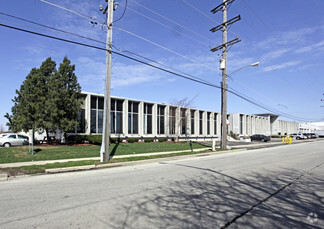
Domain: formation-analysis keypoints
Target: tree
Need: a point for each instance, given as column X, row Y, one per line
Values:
column 183, row 114
column 65, row 92
column 48, row 99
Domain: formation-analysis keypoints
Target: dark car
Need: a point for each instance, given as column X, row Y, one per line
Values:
column 260, row 137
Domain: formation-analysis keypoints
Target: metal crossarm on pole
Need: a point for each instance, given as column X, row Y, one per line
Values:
column 220, row 7
column 227, row 44
column 229, row 22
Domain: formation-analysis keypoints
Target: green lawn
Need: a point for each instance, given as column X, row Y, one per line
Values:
column 39, row 169
column 21, row 154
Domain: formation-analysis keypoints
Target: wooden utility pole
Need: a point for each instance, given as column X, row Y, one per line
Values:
column 223, row 64
column 104, row 151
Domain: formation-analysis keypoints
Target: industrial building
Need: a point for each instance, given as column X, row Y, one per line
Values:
column 135, row 119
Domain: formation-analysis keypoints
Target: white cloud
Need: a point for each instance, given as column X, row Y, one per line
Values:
column 314, row 47
column 133, row 74
column 274, row 54
column 281, row 66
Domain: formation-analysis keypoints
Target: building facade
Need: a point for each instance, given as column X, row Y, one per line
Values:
column 133, row 118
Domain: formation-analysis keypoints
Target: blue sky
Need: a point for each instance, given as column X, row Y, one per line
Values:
column 286, row 36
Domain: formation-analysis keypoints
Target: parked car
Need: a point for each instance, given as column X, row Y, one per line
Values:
column 260, row 137
column 313, row 135
column 14, row 140
column 309, row 135
column 3, row 134
column 52, row 139
column 298, row 136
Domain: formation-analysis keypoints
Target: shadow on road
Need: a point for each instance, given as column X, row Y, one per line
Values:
column 218, row 200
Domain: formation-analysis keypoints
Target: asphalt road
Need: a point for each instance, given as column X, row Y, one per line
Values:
column 278, row 187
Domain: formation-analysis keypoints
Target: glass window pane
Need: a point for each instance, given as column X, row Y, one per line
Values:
column 161, row 125
column 93, row 102
column 112, row 105
column 119, row 122
column 129, row 123
column 112, row 122
column 135, row 123
column 101, row 103
column 149, row 124
column 100, row 121
column 93, row 121
column 120, row 105
column 135, row 107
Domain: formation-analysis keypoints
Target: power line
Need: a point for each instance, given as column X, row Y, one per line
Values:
column 49, row 27
column 174, row 22
column 74, row 12
column 74, row 34
column 160, row 46
column 198, row 10
column 168, row 27
column 125, row 8
column 159, row 68
column 135, row 36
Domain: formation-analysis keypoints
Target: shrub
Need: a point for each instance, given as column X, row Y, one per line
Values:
column 132, row 140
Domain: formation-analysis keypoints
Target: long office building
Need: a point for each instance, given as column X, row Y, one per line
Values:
column 135, row 119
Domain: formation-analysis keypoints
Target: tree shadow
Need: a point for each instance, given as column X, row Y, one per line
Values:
column 214, row 199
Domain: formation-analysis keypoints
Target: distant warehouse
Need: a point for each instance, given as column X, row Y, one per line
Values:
column 134, row 119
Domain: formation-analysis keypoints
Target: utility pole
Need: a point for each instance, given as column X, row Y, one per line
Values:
column 104, row 151
column 223, row 64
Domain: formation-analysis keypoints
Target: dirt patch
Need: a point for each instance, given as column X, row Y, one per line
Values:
column 13, row 172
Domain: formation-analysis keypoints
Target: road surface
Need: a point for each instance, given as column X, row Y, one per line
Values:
column 278, row 187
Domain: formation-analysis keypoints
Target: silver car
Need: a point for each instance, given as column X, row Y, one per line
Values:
column 13, row 140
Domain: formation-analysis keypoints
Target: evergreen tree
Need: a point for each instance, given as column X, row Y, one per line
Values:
column 66, row 97
column 48, row 99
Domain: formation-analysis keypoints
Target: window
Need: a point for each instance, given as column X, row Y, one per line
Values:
column 133, row 117
column 116, row 116
column 81, row 122
column 241, row 124
column 22, row 137
column 192, row 117
column 183, row 121
column 12, row 136
column 172, row 119
column 96, row 118
column 215, row 124
column 160, row 119
column 208, row 123
column 247, row 125
column 148, row 118
column 201, row 122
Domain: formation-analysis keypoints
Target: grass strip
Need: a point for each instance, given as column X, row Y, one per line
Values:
column 42, row 153
column 40, row 169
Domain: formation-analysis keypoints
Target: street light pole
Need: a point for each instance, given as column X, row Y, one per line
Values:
column 224, row 104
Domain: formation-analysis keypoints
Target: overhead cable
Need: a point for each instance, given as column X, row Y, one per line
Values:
column 168, row 27
column 172, row 21
column 154, row 66
column 160, row 46
column 85, row 17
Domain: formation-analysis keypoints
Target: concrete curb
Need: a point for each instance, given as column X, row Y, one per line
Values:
column 3, row 176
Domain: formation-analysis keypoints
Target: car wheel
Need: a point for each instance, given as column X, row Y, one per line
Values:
column 298, row 138
column 262, row 140
column 7, row 145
